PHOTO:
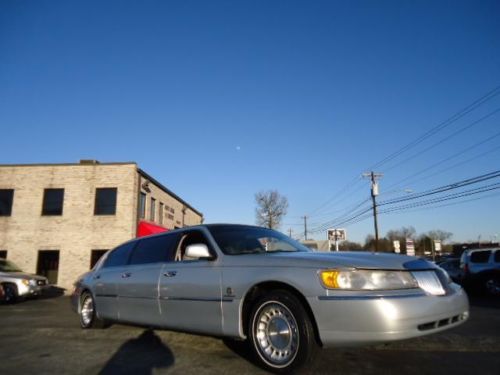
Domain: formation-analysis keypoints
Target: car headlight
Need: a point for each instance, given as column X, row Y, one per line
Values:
column 25, row 282
column 354, row 279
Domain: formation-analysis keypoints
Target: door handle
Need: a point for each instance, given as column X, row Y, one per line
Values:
column 170, row 273
column 126, row 274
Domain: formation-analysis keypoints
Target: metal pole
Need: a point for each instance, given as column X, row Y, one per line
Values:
column 305, row 228
column 374, row 191
column 374, row 210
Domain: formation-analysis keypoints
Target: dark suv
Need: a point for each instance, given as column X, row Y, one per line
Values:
column 481, row 268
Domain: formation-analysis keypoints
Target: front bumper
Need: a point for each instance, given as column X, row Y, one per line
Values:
column 31, row 290
column 359, row 320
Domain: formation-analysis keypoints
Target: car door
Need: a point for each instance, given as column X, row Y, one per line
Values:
column 107, row 278
column 190, row 290
column 138, row 287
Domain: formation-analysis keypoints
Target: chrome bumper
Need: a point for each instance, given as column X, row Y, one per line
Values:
column 345, row 321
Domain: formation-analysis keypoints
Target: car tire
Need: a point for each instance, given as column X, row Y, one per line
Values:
column 88, row 313
column 11, row 293
column 281, row 333
column 492, row 285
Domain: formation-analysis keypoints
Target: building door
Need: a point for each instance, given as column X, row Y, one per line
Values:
column 3, row 254
column 48, row 264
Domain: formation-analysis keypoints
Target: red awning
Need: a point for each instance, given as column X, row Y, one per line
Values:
column 145, row 229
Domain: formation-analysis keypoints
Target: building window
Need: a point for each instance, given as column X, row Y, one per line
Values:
column 105, row 201
column 6, row 199
column 142, row 205
column 95, row 256
column 53, row 202
column 153, row 209
column 3, row 254
column 161, row 213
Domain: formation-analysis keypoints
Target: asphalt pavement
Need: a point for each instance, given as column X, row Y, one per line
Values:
column 43, row 336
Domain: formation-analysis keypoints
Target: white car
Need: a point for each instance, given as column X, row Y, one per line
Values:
column 17, row 283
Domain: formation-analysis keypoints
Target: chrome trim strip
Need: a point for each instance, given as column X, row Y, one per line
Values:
column 197, row 299
column 360, row 298
column 107, row 295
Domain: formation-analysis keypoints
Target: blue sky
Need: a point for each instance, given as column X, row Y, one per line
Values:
column 222, row 99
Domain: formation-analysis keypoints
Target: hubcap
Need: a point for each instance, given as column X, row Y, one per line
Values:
column 276, row 335
column 87, row 310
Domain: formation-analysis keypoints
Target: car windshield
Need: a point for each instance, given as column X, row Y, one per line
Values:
column 237, row 240
column 7, row 266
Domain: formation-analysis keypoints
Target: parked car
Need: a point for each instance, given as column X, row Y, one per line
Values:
column 2, row 293
column 452, row 267
column 18, row 284
column 256, row 284
column 480, row 268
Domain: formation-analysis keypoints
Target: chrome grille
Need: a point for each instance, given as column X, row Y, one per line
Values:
column 429, row 281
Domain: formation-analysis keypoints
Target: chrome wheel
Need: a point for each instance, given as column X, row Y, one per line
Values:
column 87, row 311
column 275, row 334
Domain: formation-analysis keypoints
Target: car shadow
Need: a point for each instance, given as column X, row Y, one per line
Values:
column 141, row 355
column 240, row 348
column 52, row 292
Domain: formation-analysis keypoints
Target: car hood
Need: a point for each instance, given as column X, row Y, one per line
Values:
column 21, row 275
column 354, row 259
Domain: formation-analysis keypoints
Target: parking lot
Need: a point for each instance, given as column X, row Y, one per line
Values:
column 43, row 336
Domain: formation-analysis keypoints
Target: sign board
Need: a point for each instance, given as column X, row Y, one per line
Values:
column 410, row 247
column 336, row 234
column 397, row 246
column 437, row 245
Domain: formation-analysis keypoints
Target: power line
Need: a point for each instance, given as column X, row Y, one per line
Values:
column 361, row 214
column 456, row 185
column 468, row 109
column 444, row 139
column 474, row 105
column 459, row 153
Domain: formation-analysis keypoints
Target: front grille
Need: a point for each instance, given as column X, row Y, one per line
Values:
column 430, row 282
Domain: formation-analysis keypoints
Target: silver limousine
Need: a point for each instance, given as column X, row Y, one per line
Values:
column 256, row 284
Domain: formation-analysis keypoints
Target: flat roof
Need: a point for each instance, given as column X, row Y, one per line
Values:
column 91, row 162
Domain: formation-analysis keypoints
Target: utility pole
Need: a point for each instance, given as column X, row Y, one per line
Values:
column 374, row 191
column 305, row 227
column 290, row 232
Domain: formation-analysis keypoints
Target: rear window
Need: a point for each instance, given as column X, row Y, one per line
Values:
column 480, row 256
column 120, row 255
column 155, row 250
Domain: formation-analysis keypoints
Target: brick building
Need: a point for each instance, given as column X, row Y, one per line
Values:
column 58, row 219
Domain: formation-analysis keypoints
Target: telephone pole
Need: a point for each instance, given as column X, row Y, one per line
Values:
column 305, row 226
column 374, row 191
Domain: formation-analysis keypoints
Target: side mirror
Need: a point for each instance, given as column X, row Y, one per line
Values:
column 197, row 251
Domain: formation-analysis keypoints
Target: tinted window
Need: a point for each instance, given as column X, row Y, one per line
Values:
column 53, row 202
column 6, row 198
column 235, row 240
column 105, row 201
column 155, row 249
column 480, row 256
column 120, row 255
column 497, row 256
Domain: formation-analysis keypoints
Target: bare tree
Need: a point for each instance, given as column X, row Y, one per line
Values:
column 271, row 207
column 439, row 235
